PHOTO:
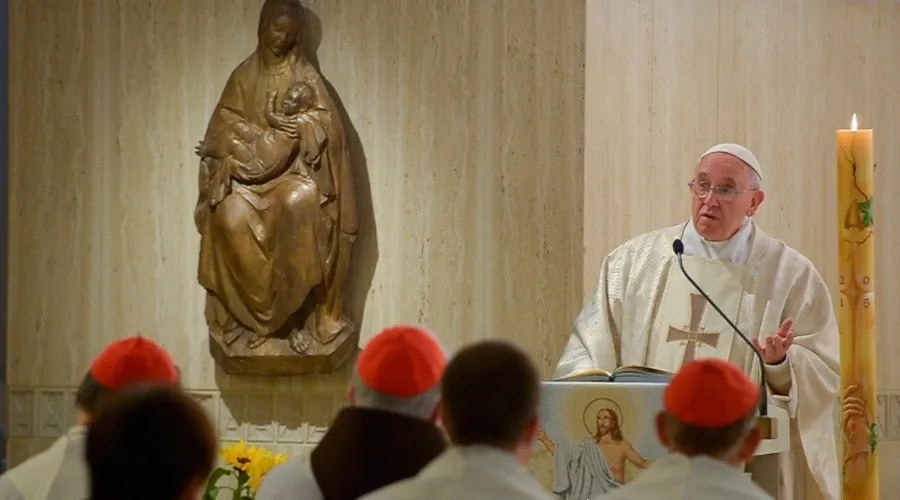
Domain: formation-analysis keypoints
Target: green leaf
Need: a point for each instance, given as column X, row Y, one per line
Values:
column 241, row 488
column 866, row 212
column 211, row 489
column 874, row 435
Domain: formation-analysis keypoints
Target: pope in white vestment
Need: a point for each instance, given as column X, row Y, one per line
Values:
column 644, row 312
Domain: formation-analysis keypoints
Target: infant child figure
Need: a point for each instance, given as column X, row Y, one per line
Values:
column 259, row 151
column 257, row 156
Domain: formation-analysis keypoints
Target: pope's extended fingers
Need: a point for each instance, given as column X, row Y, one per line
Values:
column 779, row 346
column 788, row 341
column 785, row 327
column 757, row 344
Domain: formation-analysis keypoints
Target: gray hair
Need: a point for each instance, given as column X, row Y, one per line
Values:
column 421, row 406
column 722, row 443
column 755, row 179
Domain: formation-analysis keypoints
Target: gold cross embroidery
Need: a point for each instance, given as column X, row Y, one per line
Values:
column 694, row 334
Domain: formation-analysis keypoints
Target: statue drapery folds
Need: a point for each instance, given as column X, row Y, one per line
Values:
column 276, row 211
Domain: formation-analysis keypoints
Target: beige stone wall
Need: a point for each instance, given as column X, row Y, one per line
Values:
column 485, row 217
column 469, row 116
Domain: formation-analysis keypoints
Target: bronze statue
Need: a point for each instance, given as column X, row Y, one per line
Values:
column 276, row 211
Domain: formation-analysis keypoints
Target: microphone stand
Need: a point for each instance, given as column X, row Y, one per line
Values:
column 678, row 247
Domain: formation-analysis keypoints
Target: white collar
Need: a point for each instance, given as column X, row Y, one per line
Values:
column 736, row 249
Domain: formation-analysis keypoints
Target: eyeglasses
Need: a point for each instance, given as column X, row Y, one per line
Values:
column 702, row 188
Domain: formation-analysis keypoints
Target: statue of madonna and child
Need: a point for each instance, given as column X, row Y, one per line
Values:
column 276, row 211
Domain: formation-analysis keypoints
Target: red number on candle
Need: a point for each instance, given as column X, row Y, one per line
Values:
column 843, row 281
column 867, row 302
column 866, row 280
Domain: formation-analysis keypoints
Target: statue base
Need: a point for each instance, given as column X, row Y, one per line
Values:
column 276, row 358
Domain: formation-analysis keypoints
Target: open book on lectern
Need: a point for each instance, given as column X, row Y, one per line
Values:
column 628, row 373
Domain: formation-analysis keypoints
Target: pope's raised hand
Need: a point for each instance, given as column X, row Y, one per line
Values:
column 774, row 348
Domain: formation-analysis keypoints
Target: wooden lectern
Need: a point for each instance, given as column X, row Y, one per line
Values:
column 617, row 417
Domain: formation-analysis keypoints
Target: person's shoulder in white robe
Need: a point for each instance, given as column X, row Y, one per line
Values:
column 290, row 480
column 59, row 472
column 678, row 477
column 467, row 473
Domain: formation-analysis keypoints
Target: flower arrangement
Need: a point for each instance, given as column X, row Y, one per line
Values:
column 247, row 465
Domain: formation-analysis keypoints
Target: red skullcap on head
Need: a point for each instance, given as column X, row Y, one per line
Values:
column 710, row 393
column 131, row 361
column 402, row 361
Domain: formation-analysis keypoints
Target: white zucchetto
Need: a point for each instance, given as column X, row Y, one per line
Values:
column 739, row 152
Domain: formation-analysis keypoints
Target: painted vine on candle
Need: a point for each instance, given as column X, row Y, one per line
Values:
column 864, row 213
column 860, row 432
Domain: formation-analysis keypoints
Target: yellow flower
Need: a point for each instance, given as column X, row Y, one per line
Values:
column 242, row 458
column 260, row 468
column 236, row 455
column 254, row 482
column 253, row 461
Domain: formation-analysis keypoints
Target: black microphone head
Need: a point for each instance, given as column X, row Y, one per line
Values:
column 678, row 247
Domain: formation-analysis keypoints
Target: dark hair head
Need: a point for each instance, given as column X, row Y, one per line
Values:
column 90, row 395
column 149, row 442
column 715, row 442
column 490, row 393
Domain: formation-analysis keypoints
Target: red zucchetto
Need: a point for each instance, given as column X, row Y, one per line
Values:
column 402, row 361
column 131, row 361
column 710, row 393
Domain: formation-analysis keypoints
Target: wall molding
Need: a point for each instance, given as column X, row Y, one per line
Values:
column 283, row 422
column 261, row 417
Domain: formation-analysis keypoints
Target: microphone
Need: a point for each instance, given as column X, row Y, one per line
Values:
column 678, row 247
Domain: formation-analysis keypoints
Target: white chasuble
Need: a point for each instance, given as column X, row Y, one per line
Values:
column 642, row 302
column 693, row 329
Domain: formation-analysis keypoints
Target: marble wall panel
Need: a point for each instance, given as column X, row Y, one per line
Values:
column 469, row 180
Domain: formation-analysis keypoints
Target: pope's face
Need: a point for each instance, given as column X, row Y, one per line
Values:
column 718, row 219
